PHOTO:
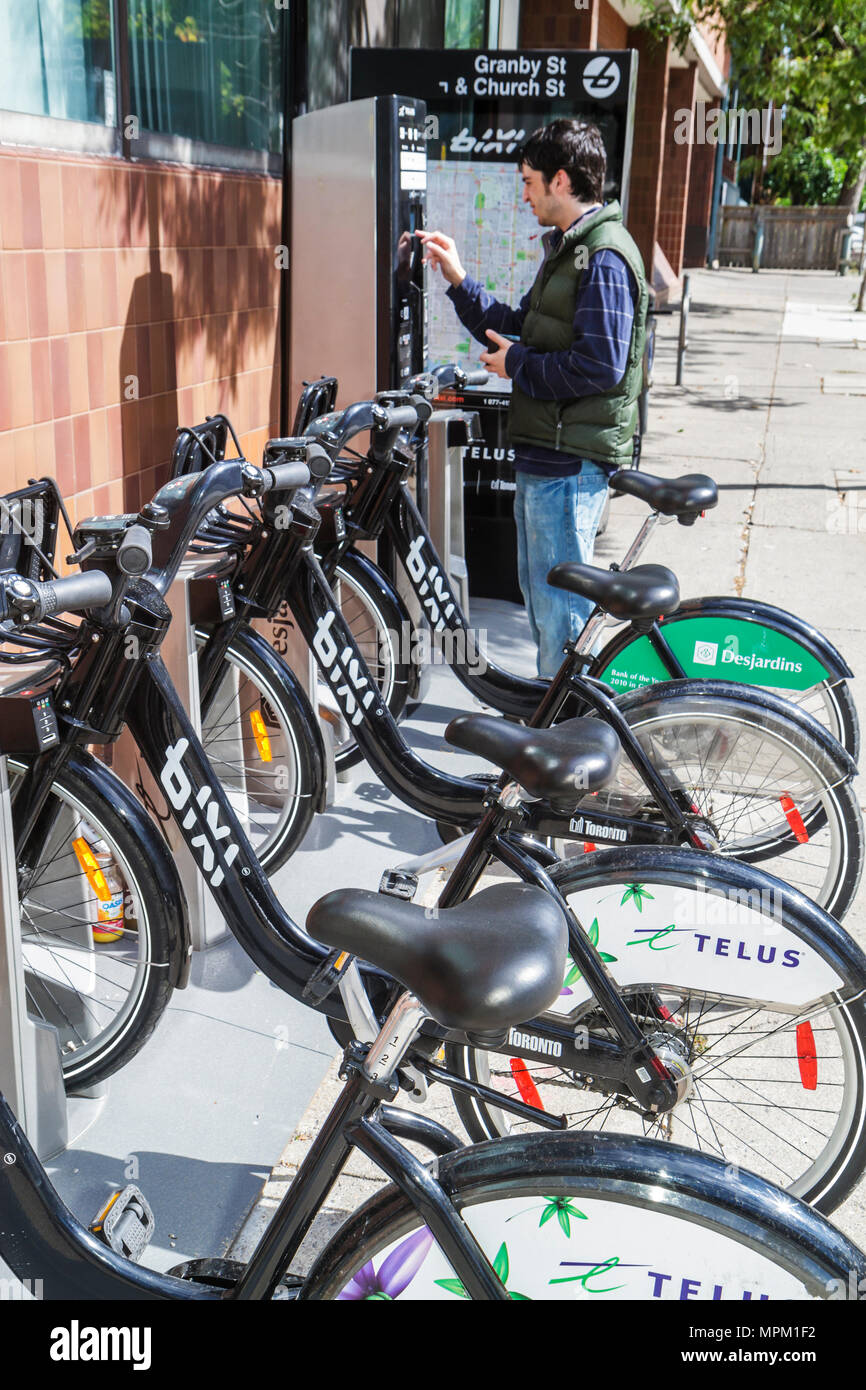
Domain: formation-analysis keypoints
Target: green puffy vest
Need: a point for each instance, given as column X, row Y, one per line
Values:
column 598, row 427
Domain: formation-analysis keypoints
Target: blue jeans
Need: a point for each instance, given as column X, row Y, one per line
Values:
column 557, row 519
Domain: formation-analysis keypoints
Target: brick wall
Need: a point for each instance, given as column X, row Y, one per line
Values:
column 649, row 136
column 132, row 299
column 698, row 208
column 612, row 28
column 559, row 24
column 676, row 163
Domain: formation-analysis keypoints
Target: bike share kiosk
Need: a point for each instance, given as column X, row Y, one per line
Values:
column 482, row 105
column 359, row 302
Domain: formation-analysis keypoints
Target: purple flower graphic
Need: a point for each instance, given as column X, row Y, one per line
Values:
column 395, row 1273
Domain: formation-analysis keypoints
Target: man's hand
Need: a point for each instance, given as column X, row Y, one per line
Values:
column 441, row 254
column 495, row 361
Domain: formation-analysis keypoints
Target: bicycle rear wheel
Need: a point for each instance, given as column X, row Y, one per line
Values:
column 594, row 1216
column 724, row 972
column 103, row 991
column 767, row 786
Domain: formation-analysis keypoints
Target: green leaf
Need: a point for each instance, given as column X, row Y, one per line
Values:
column 593, row 933
column 452, row 1286
column 573, row 974
column 547, row 1214
column 520, row 1297
column 564, row 1221
column 500, row 1264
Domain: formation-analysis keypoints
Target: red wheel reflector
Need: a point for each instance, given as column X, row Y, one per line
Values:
column 795, row 820
column 807, row 1057
column 589, row 847
column 525, row 1084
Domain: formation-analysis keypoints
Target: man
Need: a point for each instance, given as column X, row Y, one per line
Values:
column 576, row 371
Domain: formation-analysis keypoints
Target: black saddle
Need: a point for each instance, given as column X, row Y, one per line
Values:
column 494, row 961
column 558, row 765
column 647, row 591
column 684, row 498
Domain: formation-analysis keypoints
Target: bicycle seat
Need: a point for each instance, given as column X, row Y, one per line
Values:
column 647, row 591
column 684, row 497
column 494, row 961
column 558, row 765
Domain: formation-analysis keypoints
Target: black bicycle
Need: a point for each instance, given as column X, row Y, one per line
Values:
column 654, row 1021
column 709, row 764
column 739, row 639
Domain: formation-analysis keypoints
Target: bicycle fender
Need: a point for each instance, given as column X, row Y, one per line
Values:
column 707, row 926
column 839, row 762
column 731, row 635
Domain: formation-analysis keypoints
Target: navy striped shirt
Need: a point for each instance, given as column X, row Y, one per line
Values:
column 596, row 361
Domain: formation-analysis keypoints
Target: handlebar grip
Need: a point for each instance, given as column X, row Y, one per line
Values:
column 74, row 594
column 479, row 378
column 285, row 477
column 135, row 552
column 319, row 462
column 399, row 417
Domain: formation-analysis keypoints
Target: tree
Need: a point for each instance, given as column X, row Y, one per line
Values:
column 806, row 56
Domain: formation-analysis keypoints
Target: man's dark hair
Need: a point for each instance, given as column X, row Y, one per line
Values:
column 576, row 147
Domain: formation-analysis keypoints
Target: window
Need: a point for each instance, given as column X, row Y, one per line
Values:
column 58, row 59
column 465, row 23
column 207, row 70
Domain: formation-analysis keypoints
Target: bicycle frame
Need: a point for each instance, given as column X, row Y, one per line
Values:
column 281, row 566
column 778, row 641
column 42, row 1241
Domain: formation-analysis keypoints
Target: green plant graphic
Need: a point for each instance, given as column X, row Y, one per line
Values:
column 574, row 972
column 635, row 892
column 563, row 1209
column 501, row 1269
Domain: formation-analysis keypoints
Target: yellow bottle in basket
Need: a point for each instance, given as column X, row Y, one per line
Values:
column 97, row 862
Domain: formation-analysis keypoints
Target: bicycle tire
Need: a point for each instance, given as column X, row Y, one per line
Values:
column 72, row 981
column 273, row 772
column 678, row 727
column 769, row 1121
column 380, row 625
column 608, row 1218
column 832, row 704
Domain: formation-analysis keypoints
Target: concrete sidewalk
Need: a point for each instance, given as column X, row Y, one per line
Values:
column 773, row 408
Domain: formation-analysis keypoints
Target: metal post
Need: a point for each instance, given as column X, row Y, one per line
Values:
column 684, row 327
column 445, row 473
column 31, row 1075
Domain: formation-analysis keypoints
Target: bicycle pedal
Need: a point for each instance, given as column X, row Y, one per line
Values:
column 126, row 1223
column 398, row 884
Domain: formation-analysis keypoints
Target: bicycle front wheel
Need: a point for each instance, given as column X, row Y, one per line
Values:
column 102, row 985
column 725, row 974
column 259, row 733
column 594, row 1217
column 767, row 787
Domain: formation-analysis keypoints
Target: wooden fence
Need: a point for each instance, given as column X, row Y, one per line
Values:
column 793, row 238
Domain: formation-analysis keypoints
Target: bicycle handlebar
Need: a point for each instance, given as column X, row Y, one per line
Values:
column 334, row 431
column 452, row 374
column 135, row 552
column 28, row 601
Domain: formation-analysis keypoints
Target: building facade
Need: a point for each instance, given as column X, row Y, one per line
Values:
column 143, row 171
